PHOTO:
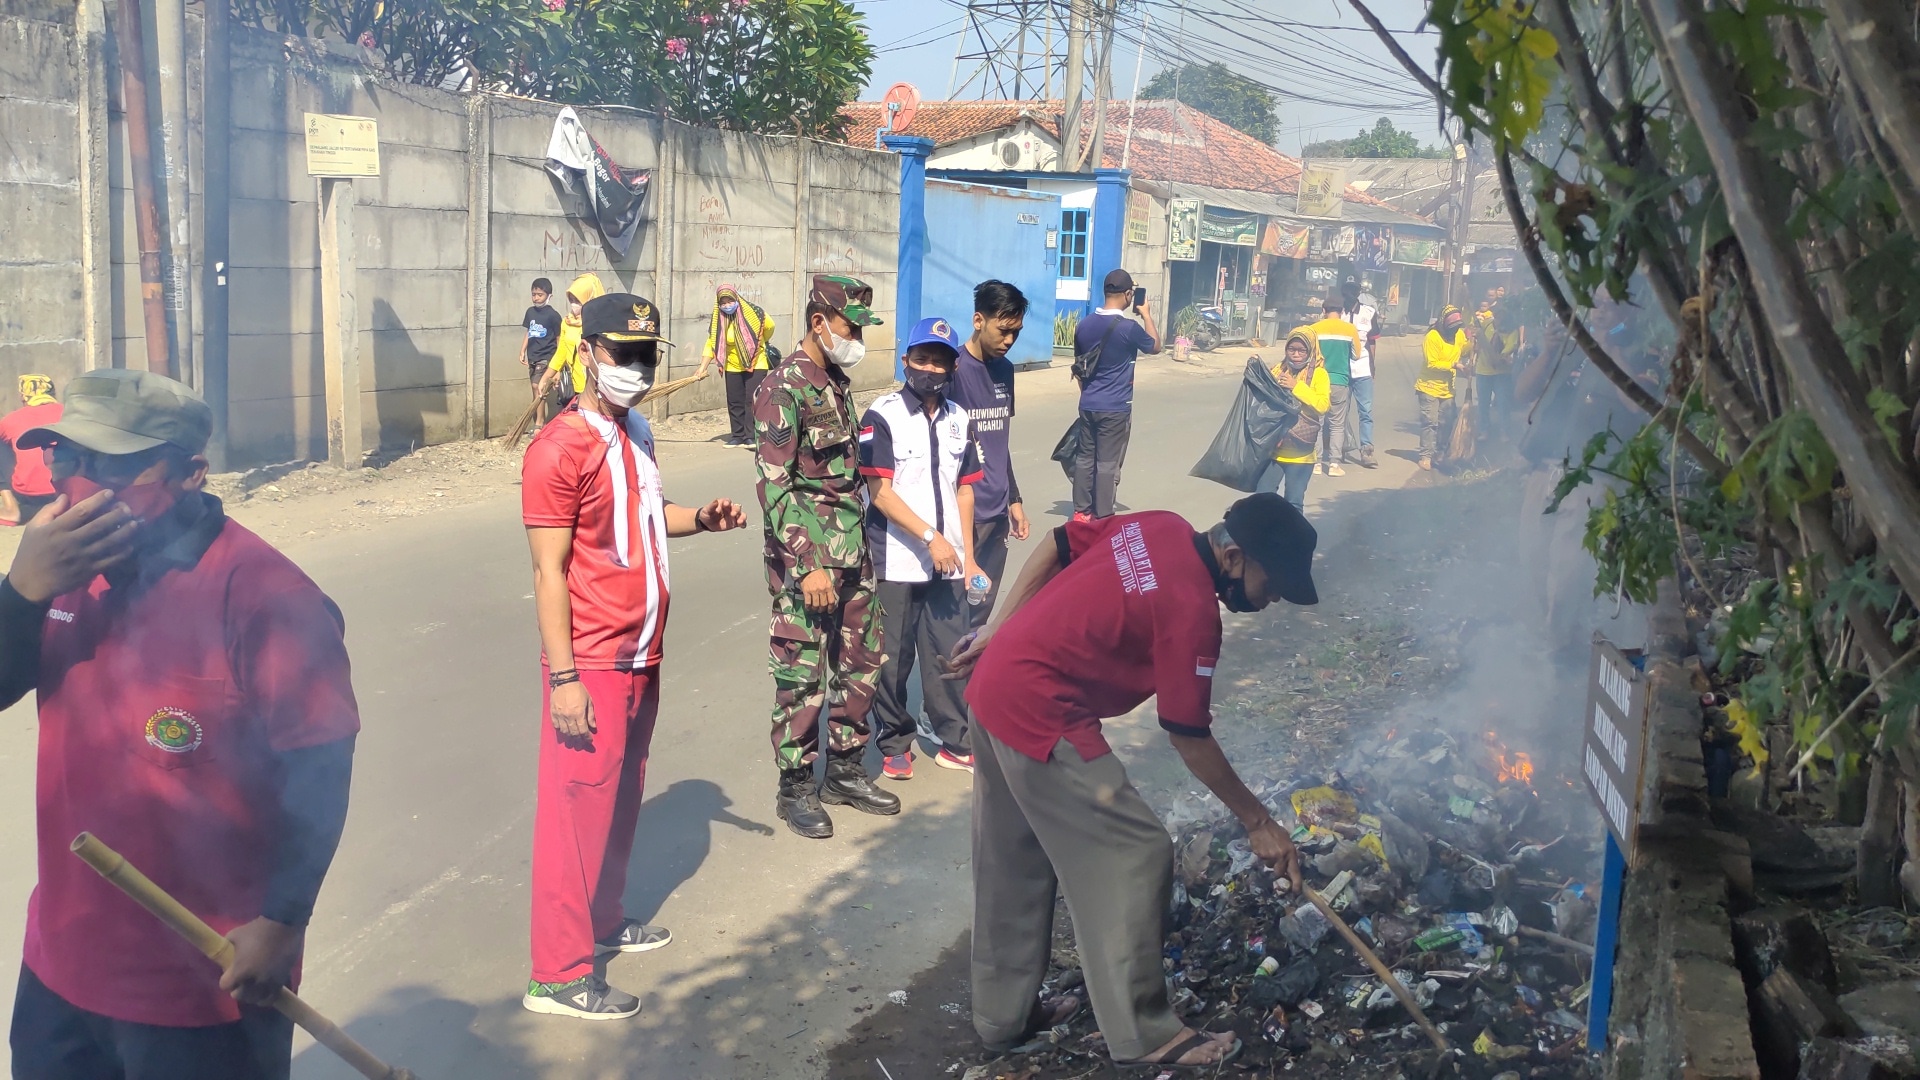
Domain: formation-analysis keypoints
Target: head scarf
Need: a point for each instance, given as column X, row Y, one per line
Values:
column 584, row 288
column 36, row 389
column 746, row 324
column 1311, row 340
column 1446, row 313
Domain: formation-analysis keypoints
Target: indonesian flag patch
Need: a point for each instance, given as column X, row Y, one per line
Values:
column 1203, row 666
column 866, row 433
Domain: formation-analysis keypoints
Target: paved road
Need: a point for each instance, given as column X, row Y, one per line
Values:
column 419, row 947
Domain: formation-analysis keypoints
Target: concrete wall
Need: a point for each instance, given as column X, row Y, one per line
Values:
column 976, row 232
column 447, row 239
column 47, row 109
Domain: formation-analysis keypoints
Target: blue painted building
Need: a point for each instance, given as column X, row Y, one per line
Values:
column 980, row 231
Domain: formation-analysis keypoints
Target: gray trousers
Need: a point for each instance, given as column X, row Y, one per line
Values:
column 1333, row 428
column 1080, row 827
column 1436, row 423
column 923, row 619
column 1096, row 471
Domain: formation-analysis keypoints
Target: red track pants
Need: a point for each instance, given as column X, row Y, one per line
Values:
column 583, row 820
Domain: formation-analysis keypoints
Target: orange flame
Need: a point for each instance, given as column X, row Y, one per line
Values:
column 1515, row 769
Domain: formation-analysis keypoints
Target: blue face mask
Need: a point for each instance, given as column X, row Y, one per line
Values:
column 729, row 308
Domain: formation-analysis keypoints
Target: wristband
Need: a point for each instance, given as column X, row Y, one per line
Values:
column 560, row 678
column 700, row 523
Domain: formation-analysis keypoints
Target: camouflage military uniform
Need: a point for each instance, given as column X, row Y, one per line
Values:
column 811, row 499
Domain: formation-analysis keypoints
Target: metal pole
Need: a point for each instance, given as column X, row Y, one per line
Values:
column 1133, row 98
column 133, row 91
column 170, row 54
column 216, row 73
column 1606, row 937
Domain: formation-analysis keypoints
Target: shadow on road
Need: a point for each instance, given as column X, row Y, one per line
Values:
column 674, row 841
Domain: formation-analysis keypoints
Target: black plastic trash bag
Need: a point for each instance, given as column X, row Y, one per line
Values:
column 1262, row 412
column 1068, row 447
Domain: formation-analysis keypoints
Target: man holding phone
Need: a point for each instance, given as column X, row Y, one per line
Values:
column 1106, row 395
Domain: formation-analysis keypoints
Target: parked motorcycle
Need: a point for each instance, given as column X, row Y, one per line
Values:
column 1213, row 327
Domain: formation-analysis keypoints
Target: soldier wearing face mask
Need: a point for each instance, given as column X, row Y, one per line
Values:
column 920, row 454
column 597, row 524
column 825, row 635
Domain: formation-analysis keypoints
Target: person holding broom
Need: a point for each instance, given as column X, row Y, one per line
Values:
column 597, row 524
column 196, row 714
column 1446, row 348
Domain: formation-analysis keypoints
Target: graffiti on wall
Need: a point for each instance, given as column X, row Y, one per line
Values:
column 720, row 241
column 571, row 252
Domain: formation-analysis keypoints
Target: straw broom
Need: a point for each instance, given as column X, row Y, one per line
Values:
column 1461, row 444
column 658, row 393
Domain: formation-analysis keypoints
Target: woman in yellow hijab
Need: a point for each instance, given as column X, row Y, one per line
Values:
column 1303, row 372
column 566, row 354
column 1447, row 349
column 740, row 335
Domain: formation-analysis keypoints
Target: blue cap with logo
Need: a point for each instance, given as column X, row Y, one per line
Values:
column 928, row 331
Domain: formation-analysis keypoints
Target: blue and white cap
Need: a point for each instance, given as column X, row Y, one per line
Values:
column 931, row 330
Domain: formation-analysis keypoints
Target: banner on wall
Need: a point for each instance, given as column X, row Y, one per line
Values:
column 1183, row 230
column 1284, row 241
column 1331, row 242
column 1372, row 246
column 1229, row 227
column 1416, row 251
column 1320, row 188
column 1139, row 207
column 603, row 192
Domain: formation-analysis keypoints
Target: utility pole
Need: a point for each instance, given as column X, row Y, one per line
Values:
column 1102, row 84
column 1076, row 83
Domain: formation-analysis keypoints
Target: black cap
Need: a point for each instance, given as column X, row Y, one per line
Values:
column 622, row 318
column 1274, row 533
column 1119, row 281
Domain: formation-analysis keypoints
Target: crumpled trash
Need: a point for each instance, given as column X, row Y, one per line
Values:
column 1304, row 929
column 898, row 997
column 1502, row 921
column 1436, row 889
column 1240, row 857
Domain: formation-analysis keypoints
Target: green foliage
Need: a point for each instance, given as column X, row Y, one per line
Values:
column 775, row 66
column 1063, row 327
column 1214, row 89
column 1384, row 141
column 1497, row 63
column 1186, row 322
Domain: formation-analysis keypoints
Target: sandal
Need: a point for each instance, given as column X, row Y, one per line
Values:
column 1170, row 1058
column 1047, row 1013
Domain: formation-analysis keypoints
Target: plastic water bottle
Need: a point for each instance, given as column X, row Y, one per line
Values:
column 978, row 586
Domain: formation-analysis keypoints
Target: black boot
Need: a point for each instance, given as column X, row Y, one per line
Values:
column 798, row 804
column 847, row 785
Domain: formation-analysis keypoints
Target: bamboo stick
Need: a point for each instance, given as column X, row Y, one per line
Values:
column 1380, row 969
column 128, row 879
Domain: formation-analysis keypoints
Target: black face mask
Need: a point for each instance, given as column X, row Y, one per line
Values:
column 928, row 383
column 1232, row 592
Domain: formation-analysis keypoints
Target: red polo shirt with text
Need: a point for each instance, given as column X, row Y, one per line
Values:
column 163, row 706
column 1132, row 615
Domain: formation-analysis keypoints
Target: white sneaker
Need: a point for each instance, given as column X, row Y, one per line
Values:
column 1335, row 470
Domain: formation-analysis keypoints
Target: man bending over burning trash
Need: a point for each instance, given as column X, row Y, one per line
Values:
column 196, row 714
column 1110, row 612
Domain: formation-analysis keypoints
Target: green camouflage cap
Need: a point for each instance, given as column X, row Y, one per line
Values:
column 847, row 295
column 117, row 411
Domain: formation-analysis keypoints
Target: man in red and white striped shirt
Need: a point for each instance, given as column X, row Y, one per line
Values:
column 598, row 525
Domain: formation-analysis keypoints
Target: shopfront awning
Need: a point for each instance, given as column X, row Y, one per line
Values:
column 1282, row 207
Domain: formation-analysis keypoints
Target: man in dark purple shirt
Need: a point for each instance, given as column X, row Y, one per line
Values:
column 983, row 385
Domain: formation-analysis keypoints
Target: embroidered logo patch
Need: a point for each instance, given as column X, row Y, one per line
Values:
column 174, row 730
column 1203, row 666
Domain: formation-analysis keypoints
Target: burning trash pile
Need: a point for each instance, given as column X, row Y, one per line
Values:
column 1443, row 857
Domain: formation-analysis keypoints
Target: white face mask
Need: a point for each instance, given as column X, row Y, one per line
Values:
column 846, row 353
column 623, row 385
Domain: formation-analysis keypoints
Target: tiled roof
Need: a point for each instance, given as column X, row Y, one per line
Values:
column 1172, row 142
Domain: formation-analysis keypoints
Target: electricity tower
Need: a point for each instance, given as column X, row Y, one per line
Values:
column 1006, row 50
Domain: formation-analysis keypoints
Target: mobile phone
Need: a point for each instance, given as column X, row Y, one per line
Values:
column 1139, row 295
